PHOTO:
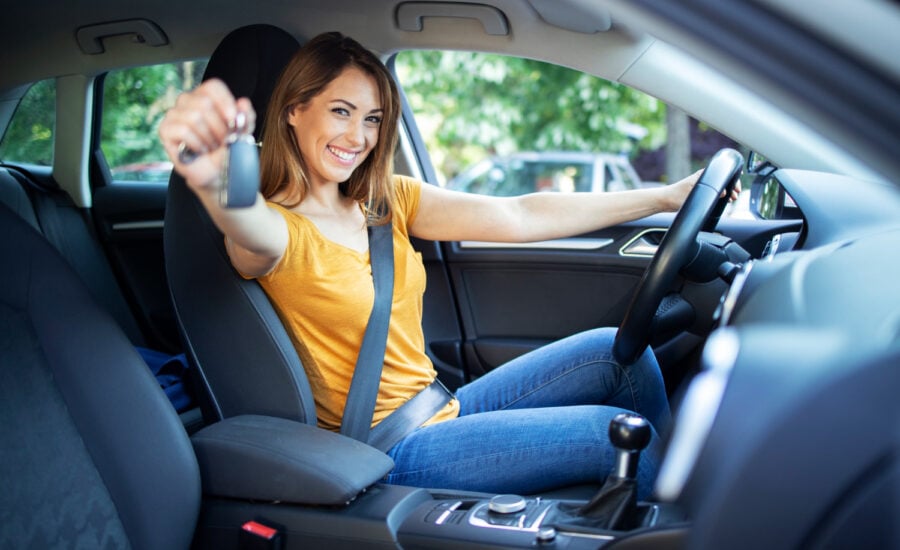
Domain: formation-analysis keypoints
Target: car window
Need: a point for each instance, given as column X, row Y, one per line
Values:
column 29, row 136
column 517, row 175
column 502, row 125
column 134, row 102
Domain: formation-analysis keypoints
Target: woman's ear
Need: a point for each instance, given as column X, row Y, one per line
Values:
column 293, row 115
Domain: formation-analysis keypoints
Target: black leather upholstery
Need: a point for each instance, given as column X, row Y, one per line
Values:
column 230, row 329
column 92, row 453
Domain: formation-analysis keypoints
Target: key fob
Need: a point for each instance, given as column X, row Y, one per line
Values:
column 241, row 174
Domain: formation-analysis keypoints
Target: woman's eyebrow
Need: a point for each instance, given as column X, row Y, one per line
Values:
column 353, row 107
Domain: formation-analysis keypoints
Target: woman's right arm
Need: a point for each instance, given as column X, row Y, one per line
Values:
column 201, row 120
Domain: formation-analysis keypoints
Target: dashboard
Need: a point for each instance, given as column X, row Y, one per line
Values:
column 786, row 418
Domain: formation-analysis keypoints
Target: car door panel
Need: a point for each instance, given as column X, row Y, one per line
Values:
column 129, row 218
column 513, row 299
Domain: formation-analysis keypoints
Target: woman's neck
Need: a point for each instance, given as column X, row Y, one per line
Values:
column 327, row 200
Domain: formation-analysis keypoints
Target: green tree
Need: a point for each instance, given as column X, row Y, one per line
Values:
column 134, row 102
column 470, row 105
column 29, row 137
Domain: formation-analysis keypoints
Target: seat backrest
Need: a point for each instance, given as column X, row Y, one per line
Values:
column 91, row 451
column 230, row 329
column 15, row 198
column 67, row 227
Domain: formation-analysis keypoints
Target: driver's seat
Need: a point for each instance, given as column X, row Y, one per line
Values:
column 231, row 332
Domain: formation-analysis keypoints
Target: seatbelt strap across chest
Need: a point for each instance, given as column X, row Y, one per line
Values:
column 363, row 393
column 360, row 406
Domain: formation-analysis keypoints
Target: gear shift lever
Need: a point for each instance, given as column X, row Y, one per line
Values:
column 629, row 434
column 615, row 504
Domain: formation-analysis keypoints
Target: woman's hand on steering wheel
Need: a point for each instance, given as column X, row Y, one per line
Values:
column 677, row 193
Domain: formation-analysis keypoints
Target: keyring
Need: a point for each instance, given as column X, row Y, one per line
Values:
column 186, row 155
column 238, row 127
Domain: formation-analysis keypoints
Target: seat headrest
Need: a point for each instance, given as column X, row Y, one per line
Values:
column 249, row 60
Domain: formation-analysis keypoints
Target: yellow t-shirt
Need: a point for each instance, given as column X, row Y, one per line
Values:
column 323, row 293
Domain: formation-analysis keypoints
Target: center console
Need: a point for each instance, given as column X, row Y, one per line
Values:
column 265, row 512
column 513, row 521
column 447, row 522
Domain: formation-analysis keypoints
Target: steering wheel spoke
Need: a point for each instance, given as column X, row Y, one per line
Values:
column 700, row 212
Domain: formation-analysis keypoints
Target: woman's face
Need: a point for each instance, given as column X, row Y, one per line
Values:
column 338, row 128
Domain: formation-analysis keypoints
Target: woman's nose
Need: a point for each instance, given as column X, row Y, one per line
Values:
column 355, row 133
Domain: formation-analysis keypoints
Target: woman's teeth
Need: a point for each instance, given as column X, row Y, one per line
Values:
column 342, row 154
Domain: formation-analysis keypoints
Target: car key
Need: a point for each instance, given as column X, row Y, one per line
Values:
column 240, row 172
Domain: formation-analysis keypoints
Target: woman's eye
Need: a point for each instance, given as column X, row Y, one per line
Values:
column 340, row 111
column 373, row 119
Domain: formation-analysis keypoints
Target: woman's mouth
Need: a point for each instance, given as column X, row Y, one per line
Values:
column 344, row 156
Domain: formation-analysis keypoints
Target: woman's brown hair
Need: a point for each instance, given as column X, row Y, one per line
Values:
column 313, row 67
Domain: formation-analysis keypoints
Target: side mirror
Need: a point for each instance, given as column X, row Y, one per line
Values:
column 766, row 198
column 758, row 164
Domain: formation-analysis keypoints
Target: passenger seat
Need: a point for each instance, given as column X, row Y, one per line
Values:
column 14, row 197
column 52, row 213
column 93, row 455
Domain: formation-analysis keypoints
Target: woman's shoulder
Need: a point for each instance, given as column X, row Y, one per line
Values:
column 408, row 191
column 404, row 183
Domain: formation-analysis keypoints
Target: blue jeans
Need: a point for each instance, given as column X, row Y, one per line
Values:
column 539, row 422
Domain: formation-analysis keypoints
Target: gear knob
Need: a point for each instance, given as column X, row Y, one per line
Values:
column 630, row 434
column 629, row 431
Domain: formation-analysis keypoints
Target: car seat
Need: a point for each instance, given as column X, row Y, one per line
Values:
column 231, row 332
column 93, row 454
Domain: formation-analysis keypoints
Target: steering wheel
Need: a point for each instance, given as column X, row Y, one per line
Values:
column 700, row 212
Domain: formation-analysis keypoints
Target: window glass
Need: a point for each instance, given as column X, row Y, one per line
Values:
column 502, row 125
column 134, row 102
column 29, row 136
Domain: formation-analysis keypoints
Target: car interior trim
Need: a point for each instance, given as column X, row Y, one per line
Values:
column 136, row 226
column 642, row 247
column 90, row 38
column 730, row 298
column 555, row 244
column 698, row 411
column 411, row 15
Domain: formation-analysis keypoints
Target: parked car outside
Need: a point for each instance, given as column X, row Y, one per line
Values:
column 143, row 171
column 562, row 171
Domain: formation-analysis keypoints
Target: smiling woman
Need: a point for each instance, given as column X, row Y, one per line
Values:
column 334, row 113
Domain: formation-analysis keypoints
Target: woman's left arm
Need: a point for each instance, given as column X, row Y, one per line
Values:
column 454, row 216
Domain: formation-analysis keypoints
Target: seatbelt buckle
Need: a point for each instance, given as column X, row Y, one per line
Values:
column 260, row 535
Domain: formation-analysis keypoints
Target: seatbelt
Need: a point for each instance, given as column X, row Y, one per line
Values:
column 409, row 416
column 363, row 393
column 360, row 407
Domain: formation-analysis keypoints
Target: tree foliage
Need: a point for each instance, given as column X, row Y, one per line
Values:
column 29, row 137
column 134, row 102
column 469, row 105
